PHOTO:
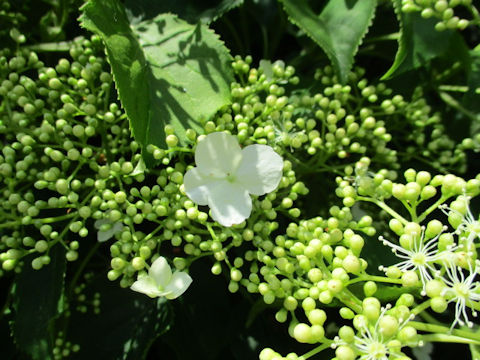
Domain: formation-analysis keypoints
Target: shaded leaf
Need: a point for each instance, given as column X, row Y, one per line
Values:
column 419, row 42
column 166, row 70
column 472, row 97
column 191, row 11
column 126, row 327
column 37, row 297
column 338, row 30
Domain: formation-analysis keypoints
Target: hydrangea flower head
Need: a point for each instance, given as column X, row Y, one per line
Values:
column 161, row 282
column 226, row 175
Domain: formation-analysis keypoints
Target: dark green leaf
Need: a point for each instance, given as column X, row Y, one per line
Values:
column 419, row 42
column 127, row 325
column 338, row 30
column 36, row 298
column 472, row 98
column 166, row 70
column 192, row 11
column 6, row 341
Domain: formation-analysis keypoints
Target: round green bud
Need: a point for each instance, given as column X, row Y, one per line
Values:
column 438, row 304
column 302, row 333
column 344, row 352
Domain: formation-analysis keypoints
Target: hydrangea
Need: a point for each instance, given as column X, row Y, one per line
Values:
column 226, row 175
column 161, row 282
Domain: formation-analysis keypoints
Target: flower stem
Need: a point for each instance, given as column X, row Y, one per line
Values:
column 385, row 207
column 439, row 329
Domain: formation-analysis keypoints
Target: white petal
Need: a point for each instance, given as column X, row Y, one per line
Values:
column 178, row 284
column 218, row 154
column 195, row 186
column 103, row 236
column 160, row 271
column 260, row 170
column 146, row 285
column 229, row 202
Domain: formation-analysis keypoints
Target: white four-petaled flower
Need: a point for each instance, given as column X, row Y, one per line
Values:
column 226, row 175
column 161, row 282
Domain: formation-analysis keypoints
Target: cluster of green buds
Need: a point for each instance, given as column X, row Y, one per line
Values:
column 55, row 141
column 447, row 12
column 321, row 130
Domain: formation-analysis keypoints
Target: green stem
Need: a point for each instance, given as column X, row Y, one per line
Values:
column 43, row 220
column 349, row 299
column 315, row 351
column 374, row 278
column 61, row 46
column 440, row 201
column 419, row 308
column 449, row 100
column 385, row 207
column 448, row 339
column 82, row 265
column 445, row 330
column 453, row 88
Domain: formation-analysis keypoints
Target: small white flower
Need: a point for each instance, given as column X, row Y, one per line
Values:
column 161, row 282
column 469, row 224
column 462, row 290
column 371, row 344
column 112, row 229
column 421, row 258
column 226, row 174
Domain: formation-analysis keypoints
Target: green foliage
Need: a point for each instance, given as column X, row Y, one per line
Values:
column 126, row 328
column 307, row 267
column 37, row 301
column 166, row 70
column 418, row 44
column 338, row 30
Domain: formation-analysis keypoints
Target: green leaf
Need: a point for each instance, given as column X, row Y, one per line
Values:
column 191, row 11
column 475, row 351
column 419, row 42
column 166, row 70
column 338, row 30
column 126, row 327
column 37, row 297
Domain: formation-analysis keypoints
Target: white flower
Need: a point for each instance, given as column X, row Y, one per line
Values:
column 110, row 231
column 462, row 290
column 226, row 174
column 420, row 258
column 371, row 344
column 468, row 223
column 161, row 282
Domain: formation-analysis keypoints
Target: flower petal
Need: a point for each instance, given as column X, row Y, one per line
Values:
column 178, row 284
column 103, row 236
column 146, row 285
column 260, row 170
column 160, row 271
column 218, row 155
column 229, row 202
column 195, row 184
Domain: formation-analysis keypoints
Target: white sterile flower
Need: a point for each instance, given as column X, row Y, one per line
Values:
column 226, row 174
column 421, row 258
column 107, row 229
column 462, row 290
column 161, row 282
